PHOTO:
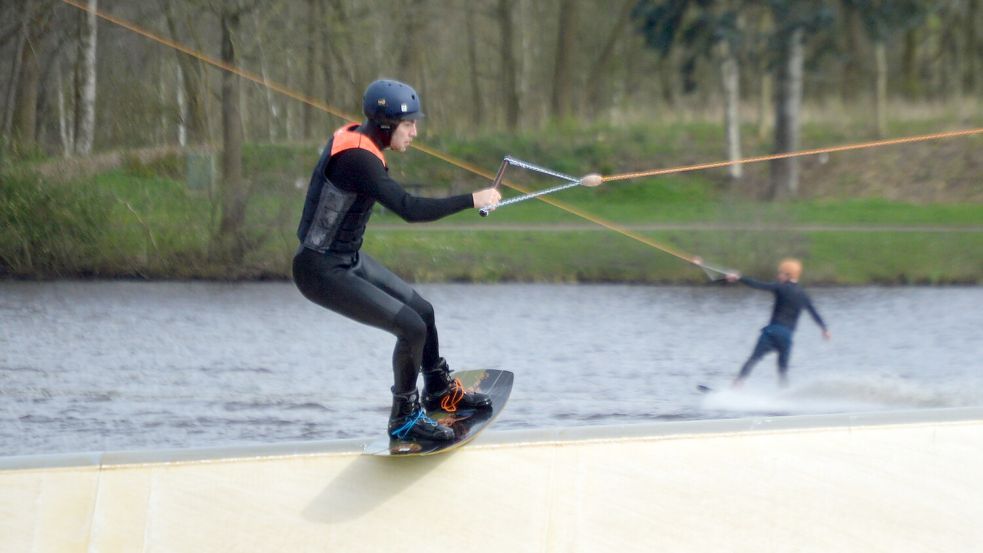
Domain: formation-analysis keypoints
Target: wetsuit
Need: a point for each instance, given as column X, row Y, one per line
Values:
column 350, row 177
column 790, row 299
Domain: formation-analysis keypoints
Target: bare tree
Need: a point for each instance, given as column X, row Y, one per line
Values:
column 730, row 79
column 509, row 68
column 24, row 124
column 13, row 88
column 272, row 105
column 788, row 104
column 310, row 73
column 65, row 131
column 560, row 103
column 85, row 88
column 911, row 85
column 600, row 67
column 973, row 50
column 412, row 54
column 233, row 194
column 477, row 98
column 194, row 116
column 853, row 49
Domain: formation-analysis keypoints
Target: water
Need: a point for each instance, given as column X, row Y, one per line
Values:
column 92, row 366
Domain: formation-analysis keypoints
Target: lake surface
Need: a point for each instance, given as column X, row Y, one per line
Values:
column 92, row 366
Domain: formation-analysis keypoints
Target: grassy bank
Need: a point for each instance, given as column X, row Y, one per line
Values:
column 142, row 220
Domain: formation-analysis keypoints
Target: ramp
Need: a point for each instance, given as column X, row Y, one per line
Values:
column 889, row 482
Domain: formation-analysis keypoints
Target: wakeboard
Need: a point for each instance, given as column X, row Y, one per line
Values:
column 466, row 424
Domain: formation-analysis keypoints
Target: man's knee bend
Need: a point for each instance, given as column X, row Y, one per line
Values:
column 423, row 308
column 409, row 326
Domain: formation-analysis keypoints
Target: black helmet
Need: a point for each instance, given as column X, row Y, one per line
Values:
column 388, row 102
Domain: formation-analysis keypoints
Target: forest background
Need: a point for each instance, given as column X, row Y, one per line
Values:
column 123, row 157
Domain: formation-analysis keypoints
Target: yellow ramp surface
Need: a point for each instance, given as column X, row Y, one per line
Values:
column 905, row 481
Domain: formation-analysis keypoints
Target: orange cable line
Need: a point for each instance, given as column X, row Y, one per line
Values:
column 276, row 87
column 800, row 153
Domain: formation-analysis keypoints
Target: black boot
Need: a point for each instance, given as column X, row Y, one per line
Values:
column 443, row 393
column 408, row 421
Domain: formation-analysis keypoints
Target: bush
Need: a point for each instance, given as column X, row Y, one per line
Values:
column 49, row 230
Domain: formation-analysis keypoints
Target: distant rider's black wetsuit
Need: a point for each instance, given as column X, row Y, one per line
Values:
column 790, row 299
column 330, row 270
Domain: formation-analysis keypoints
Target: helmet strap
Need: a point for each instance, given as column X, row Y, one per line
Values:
column 380, row 133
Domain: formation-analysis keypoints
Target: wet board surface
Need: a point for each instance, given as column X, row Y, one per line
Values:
column 467, row 424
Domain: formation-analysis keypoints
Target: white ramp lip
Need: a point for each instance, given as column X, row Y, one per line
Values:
column 537, row 436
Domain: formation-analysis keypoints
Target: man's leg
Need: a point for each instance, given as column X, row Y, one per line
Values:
column 344, row 289
column 763, row 346
column 784, row 347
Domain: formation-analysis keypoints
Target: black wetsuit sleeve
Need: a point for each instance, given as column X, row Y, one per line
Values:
column 360, row 171
column 815, row 314
column 758, row 285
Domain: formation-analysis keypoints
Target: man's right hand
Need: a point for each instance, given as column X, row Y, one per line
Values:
column 487, row 198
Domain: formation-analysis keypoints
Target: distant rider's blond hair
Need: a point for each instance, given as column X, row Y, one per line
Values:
column 791, row 267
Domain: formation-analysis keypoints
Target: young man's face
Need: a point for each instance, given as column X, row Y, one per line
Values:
column 403, row 135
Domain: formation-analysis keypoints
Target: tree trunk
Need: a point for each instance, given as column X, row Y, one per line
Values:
column 85, row 105
column 64, row 129
column 596, row 76
column 273, row 126
column 730, row 78
column 233, row 195
column 764, row 107
column 880, row 88
column 852, row 34
column 764, row 27
column 194, row 117
column 560, row 103
column 313, row 33
column 509, row 70
column 788, row 103
column 24, row 124
column 477, row 103
column 411, row 51
column 13, row 86
column 909, row 65
column 182, row 108
column 972, row 49
column 290, row 107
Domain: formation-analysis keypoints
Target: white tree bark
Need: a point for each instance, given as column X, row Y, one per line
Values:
column 730, row 78
column 64, row 129
column 86, row 115
column 880, row 92
column 274, row 122
column 182, row 107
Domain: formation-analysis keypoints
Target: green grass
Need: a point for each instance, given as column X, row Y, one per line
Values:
column 830, row 257
column 142, row 220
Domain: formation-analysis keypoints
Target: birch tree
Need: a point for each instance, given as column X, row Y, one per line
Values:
column 85, row 104
column 193, row 114
column 788, row 106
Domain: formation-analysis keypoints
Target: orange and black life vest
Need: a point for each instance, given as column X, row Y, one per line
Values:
column 334, row 219
column 347, row 138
